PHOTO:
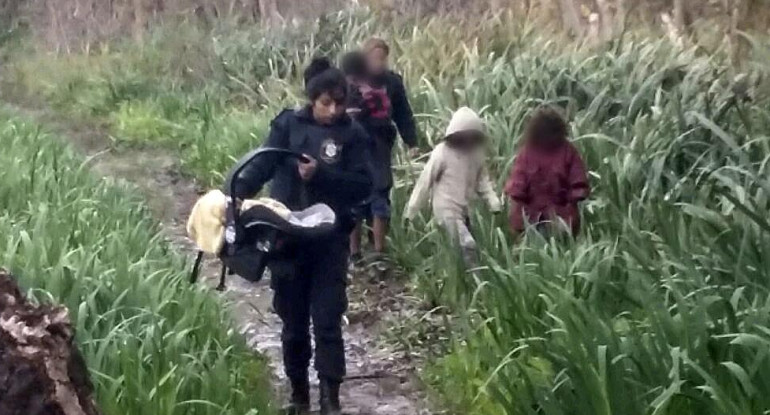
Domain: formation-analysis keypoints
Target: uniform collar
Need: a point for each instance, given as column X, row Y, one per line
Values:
column 305, row 113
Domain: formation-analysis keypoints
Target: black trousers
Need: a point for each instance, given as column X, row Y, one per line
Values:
column 316, row 291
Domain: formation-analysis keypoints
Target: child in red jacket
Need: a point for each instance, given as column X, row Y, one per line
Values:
column 549, row 178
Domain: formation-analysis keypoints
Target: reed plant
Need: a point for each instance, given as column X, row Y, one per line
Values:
column 660, row 306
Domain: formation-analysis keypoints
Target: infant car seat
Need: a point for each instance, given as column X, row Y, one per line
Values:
column 265, row 230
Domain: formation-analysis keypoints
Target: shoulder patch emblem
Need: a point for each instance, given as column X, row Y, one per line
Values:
column 330, row 151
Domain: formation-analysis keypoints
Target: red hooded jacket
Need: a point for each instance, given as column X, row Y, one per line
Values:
column 546, row 184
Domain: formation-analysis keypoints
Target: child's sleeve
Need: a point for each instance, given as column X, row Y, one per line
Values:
column 578, row 178
column 429, row 176
column 487, row 190
column 402, row 111
column 517, row 186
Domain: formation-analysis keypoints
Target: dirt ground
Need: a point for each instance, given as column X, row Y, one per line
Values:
column 380, row 381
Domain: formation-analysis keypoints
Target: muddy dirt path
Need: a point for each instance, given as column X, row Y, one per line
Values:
column 381, row 382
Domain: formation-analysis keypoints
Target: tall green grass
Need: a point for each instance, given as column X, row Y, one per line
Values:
column 659, row 307
column 153, row 344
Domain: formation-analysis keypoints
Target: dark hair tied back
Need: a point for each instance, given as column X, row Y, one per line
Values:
column 317, row 66
column 322, row 77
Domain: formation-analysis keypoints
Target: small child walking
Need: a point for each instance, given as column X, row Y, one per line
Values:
column 455, row 175
column 549, row 177
column 369, row 104
column 388, row 114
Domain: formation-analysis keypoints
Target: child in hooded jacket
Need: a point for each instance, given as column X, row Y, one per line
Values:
column 549, row 177
column 455, row 175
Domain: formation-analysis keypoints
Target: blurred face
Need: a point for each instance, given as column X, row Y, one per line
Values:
column 551, row 140
column 377, row 60
column 467, row 141
column 329, row 107
column 548, row 140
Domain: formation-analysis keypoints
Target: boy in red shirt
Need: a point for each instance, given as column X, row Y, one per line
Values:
column 549, row 178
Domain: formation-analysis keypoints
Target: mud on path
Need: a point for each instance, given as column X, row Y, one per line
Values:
column 380, row 381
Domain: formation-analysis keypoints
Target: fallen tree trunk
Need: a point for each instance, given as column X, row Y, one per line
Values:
column 41, row 370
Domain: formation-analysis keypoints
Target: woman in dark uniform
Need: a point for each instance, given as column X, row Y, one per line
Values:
column 338, row 174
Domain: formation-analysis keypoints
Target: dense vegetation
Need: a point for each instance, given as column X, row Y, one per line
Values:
column 153, row 345
column 662, row 306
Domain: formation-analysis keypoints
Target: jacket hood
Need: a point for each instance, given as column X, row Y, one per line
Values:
column 465, row 119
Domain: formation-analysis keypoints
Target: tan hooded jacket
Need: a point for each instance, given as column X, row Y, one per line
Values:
column 452, row 179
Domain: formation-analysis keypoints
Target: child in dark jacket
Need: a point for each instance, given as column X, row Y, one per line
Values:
column 369, row 105
column 377, row 53
column 385, row 114
column 549, row 178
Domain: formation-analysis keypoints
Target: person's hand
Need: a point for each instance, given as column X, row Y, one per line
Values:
column 307, row 169
column 413, row 152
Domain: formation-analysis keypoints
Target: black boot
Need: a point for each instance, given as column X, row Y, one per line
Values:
column 300, row 398
column 330, row 397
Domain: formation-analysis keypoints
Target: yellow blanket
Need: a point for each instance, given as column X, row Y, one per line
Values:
column 206, row 225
